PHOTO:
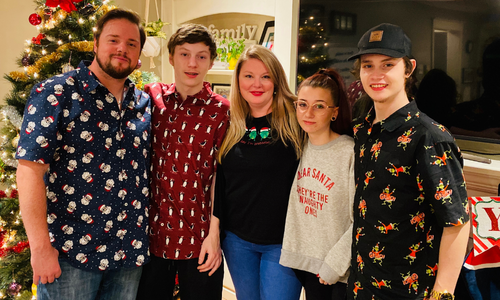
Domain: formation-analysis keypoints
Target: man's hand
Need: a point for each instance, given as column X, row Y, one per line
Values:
column 45, row 265
column 211, row 249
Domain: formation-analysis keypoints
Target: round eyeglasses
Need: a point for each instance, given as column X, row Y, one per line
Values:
column 318, row 108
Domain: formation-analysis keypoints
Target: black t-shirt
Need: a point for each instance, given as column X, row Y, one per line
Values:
column 253, row 185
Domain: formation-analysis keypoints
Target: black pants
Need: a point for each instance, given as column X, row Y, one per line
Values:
column 158, row 280
column 317, row 291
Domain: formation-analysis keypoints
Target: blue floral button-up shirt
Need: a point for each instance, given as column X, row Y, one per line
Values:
column 97, row 184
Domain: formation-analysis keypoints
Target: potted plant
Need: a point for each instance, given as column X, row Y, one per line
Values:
column 229, row 50
column 154, row 28
column 154, row 34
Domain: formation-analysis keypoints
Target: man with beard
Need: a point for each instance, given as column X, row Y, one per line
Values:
column 83, row 171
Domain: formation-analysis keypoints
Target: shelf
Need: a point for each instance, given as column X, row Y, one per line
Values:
column 220, row 72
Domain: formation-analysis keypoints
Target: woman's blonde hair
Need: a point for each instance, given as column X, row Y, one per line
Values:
column 284, row 120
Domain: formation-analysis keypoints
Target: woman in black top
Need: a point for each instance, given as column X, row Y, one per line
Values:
column 258, row 160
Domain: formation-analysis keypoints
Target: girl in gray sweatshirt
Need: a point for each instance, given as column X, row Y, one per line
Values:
column 318, row 229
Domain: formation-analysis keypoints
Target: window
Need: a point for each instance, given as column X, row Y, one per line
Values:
column 456, row 45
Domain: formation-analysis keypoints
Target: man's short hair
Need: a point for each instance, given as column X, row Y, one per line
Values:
column 192, row 34
column 119, row 13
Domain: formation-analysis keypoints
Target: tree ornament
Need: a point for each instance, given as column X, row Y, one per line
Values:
column 15, row 141
column 38, row 39
column 87, row 10
column 47, row 14
column 66, row 5
column 35, row 19
column 25, row 61
column 14, row 194
column 14, row 288
column 67, row 68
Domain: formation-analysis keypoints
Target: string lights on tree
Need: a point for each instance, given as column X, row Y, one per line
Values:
column 312, row 44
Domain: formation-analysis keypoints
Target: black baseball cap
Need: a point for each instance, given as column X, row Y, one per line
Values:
column 387, row 39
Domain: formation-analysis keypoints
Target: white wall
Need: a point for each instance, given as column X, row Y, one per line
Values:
column 16, row 29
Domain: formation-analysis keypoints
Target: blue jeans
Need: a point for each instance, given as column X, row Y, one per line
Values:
column 488, row 282
column 256, row 272
column 77, row 284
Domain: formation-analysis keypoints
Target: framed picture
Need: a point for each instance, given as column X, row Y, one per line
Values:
column 222, row 89
column 267, row 38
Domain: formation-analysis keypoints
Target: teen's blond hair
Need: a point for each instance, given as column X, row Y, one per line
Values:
column 284, row 120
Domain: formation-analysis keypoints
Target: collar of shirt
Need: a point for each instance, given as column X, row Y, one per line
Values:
column 89, row 78
column 204, row 94
column 397, row 119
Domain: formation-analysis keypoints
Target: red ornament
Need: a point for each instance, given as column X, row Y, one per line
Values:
column 20, row 247
column 35, row 19
column 14, row 194
column 38, row 39
column 3, row 194
column 66, row 5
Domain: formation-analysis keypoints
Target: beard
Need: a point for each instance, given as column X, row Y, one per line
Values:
column 114, row 72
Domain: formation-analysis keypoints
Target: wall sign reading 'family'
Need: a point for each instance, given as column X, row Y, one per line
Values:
column 243, row 31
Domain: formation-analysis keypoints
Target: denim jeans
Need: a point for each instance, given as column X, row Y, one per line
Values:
column 78, row 284
column 488, row 282
column 256, row 272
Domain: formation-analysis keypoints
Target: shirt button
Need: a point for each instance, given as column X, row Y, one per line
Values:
column 182, row 108
column 169, row 153
column 125, row 204
column 370, row 140
column 161, row 224
column 173, row 130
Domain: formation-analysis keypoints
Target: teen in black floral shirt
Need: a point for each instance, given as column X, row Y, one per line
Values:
column 410, row 207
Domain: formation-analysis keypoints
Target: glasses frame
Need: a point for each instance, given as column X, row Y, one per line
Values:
column 318, row 112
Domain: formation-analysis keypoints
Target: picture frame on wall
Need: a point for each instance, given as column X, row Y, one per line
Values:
column 222, row 89
column 267, row 37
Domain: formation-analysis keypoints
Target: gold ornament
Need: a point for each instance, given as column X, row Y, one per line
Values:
column 15, row 141
column 67, row 68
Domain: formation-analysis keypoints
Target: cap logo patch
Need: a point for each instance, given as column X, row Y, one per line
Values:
column 376, row 36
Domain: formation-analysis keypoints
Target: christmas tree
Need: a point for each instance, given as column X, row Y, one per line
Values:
column 312, row 43
column 65, row 38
